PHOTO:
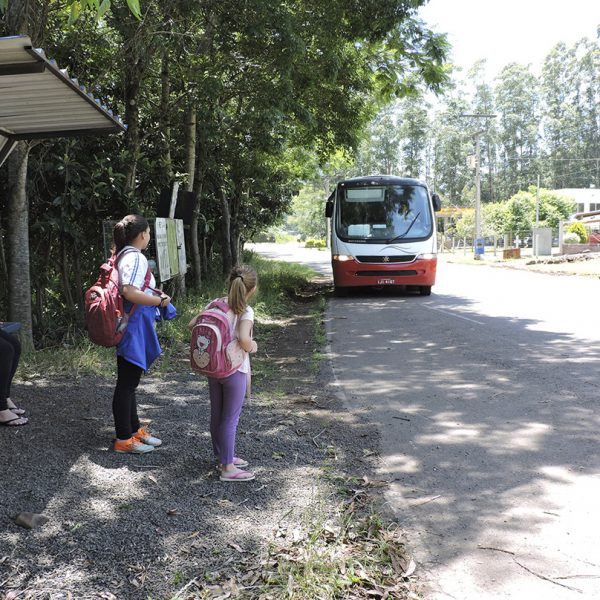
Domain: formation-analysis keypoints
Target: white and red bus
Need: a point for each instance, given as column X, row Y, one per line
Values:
column 383, row 233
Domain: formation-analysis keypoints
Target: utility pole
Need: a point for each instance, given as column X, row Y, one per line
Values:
column 477, row 187
column 478, row 245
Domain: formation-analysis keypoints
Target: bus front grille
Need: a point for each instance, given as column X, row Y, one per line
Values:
column 407, row 273
column 399, row 258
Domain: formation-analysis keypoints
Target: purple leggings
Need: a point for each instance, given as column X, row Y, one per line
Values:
column 226, row 400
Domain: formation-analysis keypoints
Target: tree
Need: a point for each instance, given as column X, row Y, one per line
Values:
column 517, row 104
column 413, row 130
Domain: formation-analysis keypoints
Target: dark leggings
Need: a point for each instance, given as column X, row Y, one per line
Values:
column 10, row 352
column 124, row 405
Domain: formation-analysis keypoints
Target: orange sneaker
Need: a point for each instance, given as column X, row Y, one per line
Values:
column 132, row 446
column 144, row 436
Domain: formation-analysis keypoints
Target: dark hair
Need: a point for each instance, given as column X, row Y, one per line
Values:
column 242, row 280
column 127, row 229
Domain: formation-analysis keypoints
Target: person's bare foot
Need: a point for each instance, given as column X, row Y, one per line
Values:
column 9, row 419
column 14, row 408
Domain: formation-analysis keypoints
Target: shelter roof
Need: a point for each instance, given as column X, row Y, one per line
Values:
column 40, row 100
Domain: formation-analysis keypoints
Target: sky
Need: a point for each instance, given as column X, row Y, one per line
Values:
column 504, row 31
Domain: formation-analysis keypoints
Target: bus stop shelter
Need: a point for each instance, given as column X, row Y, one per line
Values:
column 40, row 100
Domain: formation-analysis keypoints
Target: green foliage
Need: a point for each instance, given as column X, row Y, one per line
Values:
column 579, row 230
column 79, row 357
column 308, row 212
column 516, row 215
column 315, row 243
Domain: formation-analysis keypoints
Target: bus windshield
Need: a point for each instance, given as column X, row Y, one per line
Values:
column 383, row 214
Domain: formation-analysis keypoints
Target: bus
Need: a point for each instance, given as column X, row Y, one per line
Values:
column 383, row 233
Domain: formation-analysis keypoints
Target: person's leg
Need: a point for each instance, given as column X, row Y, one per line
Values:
column 7, row 416
column 234, row 389
column 215, row 392
column 14, row 342
column 124, row 411
column 6, row 363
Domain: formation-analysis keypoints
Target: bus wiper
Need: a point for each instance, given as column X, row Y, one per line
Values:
column 399, row 237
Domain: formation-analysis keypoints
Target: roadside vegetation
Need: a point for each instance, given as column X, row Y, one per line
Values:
column 77, row 356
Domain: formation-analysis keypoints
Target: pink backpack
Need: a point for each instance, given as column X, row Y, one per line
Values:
column 105, row 317
column 214, row 351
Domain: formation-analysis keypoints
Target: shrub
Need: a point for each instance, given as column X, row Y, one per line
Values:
column 315, row 244
column 580, row 230
column 571, row 238
column 263, row 236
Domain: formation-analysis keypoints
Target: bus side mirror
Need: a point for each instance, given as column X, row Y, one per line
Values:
column 437, row 203
column 329, row 208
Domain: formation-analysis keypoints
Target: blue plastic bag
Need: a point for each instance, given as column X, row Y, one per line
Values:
column 166, row 313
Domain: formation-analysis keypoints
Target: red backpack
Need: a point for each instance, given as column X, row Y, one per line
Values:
column 214, row 351
column 105, row 316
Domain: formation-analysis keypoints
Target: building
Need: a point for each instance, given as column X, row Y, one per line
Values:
column 587, row 199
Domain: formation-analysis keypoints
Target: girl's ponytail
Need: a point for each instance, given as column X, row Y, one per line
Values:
column 127, row 229
column 242, row 280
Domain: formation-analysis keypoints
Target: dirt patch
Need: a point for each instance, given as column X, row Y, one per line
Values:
column 150, row 526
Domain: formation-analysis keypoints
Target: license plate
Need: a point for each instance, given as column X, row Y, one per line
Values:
column 385, row 282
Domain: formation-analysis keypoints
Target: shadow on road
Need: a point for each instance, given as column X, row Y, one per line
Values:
column 489, row 429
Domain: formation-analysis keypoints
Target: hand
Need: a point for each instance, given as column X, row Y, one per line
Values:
column 253, row 347
column 164, row 300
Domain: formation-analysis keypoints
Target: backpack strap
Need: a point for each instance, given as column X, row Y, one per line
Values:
column 220, row 304
column 116, row 258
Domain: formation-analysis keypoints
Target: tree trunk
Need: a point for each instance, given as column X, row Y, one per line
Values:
column 165, row 120
column 132, row 117
column 3, row 267
column 190, row 147
column 234, row 231
column 65, row 276
column 195, row 183
column 225, row 232
column 19, row 279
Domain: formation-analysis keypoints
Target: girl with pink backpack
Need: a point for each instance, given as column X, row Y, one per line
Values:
column 227, row 393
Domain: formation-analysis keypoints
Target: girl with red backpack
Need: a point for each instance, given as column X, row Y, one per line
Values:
column 227, row 394
column 139, row 347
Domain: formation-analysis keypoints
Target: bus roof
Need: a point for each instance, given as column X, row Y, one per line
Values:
column 379, row 180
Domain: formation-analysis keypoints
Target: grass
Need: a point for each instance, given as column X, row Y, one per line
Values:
column 319, row 337
column 347, row 552
column 277, row 282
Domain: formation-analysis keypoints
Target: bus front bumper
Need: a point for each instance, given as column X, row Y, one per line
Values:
column 351, row 273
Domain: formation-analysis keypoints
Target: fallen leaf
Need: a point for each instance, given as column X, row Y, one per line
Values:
column 410, row 569
column 236, row 547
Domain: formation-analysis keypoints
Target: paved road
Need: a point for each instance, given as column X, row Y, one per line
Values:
column 315, row 258
column 486, row 396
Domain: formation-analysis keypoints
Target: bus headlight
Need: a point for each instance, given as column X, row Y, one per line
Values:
column 342, row 257
column 427, row 256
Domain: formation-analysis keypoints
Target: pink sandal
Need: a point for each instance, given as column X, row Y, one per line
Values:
column 237, row 476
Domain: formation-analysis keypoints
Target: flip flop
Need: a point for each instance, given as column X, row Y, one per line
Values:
column 238, row 476
column 8, row 423
column 15, row 409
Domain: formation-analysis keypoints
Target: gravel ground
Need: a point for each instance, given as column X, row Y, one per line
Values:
column 139, row 527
